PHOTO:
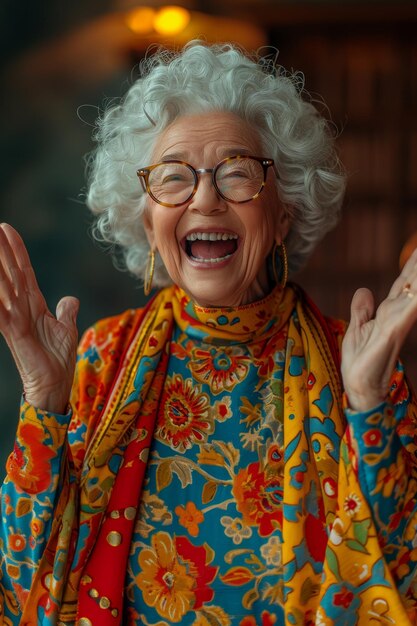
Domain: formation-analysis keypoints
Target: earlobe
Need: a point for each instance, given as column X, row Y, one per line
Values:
column 283, row 227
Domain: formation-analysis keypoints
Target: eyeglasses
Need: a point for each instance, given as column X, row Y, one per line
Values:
column 236, row 179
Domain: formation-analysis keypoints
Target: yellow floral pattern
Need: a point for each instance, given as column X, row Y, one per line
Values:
column 259, row 500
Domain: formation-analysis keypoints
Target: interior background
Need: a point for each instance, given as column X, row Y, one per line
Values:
column 60, row 61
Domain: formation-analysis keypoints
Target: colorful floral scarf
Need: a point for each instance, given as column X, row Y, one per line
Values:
column 96, row 512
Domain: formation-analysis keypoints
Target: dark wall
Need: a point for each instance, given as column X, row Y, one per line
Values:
column 46, row 125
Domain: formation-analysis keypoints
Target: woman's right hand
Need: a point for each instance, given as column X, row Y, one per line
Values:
column 43, row 347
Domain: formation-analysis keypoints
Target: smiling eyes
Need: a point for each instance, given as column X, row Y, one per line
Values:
column 187, row 179
column 236, row 179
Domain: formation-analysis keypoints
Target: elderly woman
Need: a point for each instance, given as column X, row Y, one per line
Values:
column 211, row 464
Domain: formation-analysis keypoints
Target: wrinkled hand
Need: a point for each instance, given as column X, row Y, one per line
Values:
column 372, row 342
column 43, row 347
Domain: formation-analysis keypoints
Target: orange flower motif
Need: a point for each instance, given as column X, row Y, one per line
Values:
column 17, row 542
column 175, row 576
column 36, row 526
column 372, row 437
column 190, row 517
column 259, row 497
column 185, row 416
column 222, row 368
column 29, row 464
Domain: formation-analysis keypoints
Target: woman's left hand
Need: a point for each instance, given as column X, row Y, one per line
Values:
column 373, row 341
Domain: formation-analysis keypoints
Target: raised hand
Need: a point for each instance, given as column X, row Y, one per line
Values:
column 372, row 342
column 43, row 346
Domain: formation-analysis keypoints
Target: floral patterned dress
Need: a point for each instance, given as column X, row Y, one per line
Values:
column 240, row 521
column 211, row 508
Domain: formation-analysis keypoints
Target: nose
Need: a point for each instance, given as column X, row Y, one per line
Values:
column 206, row 199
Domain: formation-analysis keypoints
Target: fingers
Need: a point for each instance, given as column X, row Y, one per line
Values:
column 21, row 301
column 362, row 307
column 9, row 281
column 16, row 244
column 67, row 310
column 397, row 314
column 12, row 280
column 16, row 272
column 407, row 278
column 16, row 256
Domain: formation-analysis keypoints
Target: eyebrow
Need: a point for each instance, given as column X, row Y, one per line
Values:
column 235, row 151
column 227, row 152
column 173, row 157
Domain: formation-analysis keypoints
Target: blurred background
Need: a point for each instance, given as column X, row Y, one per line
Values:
column 61, row 61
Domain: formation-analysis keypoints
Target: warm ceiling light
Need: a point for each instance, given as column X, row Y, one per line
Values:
column 141, row 20
column 171, row 20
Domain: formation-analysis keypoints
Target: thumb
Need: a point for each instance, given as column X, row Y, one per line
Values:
column 362, row 307
column 67, row 310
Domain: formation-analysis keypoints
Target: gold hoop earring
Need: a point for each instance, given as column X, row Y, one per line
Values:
column 281, row 272
column 149, row 271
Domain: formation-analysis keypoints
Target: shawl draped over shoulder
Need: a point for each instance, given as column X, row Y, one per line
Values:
column 101, row 479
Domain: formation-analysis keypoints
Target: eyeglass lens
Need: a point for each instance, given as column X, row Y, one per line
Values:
column 237, row 179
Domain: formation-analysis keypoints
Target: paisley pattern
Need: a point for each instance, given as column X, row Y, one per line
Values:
column 197, row 442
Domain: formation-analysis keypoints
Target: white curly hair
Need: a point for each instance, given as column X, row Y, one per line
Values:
column 198, row 79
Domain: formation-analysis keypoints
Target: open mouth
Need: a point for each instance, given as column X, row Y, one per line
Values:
column 210, row 247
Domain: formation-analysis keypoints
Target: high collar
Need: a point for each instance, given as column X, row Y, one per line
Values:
column 241, row 324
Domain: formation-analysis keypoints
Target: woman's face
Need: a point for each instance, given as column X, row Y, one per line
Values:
column 232, row 271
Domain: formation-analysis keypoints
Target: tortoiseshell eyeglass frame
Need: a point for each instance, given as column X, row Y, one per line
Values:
column 144, row 172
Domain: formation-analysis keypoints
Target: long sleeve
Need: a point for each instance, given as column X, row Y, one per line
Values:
column 28, row 499
column 48, row 455
column 372, row 538
column 384, row 446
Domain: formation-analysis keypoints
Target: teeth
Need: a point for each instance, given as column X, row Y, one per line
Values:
column 212, row 260
column 210, row 236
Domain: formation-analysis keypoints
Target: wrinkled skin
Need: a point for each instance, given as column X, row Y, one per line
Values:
column 44, row 345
